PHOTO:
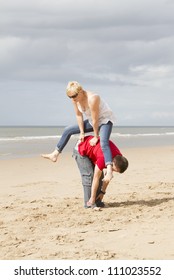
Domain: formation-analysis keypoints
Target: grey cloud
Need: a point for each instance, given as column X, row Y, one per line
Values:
column 124, row 47
column 80, row 15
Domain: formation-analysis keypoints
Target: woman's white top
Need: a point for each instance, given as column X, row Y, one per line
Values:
column 105, row 113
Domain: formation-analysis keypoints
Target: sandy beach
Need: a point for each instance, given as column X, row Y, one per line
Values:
column 42, row 215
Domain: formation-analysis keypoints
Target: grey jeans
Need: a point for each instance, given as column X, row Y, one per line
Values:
column 86, row 168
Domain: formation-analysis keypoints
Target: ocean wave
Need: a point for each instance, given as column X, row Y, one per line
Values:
column 114, row 135
column 129, row 135
column 27, row 138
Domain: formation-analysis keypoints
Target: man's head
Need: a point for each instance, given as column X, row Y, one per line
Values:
column 120, row 164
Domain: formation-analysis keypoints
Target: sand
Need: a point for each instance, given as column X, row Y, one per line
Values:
column 42, row 215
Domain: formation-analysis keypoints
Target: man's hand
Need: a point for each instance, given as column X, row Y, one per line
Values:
column 100, row 196
column 93, row 141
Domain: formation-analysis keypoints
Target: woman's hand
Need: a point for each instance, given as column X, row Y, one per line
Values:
column 108, row 174
column 93, row 141
column 82, row 136
column 108, row 177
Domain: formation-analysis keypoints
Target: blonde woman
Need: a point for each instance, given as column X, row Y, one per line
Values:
column 99, row 119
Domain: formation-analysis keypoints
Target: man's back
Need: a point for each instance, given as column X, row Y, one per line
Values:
column 95, row 153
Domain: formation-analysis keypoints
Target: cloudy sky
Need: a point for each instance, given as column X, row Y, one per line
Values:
column 123, row 50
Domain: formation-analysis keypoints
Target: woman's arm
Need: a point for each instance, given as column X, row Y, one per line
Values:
column 79, row 117
column 94, row 102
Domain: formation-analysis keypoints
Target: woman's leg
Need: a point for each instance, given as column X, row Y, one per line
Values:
column 68, row 132
column 105, row 132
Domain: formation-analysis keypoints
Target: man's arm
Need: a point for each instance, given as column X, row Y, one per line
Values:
column 95, row 184
column 103, row 190
column 104, row 186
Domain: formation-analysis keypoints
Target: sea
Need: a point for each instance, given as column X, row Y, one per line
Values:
column 31, row 141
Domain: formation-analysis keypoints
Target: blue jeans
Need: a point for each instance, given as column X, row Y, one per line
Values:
column 86, row 168
column 105, row 132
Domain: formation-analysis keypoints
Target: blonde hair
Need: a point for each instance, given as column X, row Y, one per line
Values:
column 73, row 87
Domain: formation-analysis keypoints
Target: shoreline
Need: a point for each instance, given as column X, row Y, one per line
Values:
column 16, row 142
column 35, row 149
column 42, row 214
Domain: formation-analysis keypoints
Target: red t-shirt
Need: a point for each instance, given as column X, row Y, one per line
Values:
column 95, row 153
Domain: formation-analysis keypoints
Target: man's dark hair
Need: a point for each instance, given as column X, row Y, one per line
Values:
column 121, row 162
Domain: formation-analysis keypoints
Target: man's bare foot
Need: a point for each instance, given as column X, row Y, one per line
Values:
column 93, row 206
column 52, row 156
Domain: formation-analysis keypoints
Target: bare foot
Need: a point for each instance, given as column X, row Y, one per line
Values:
column 93, row 206
column 52, row 156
